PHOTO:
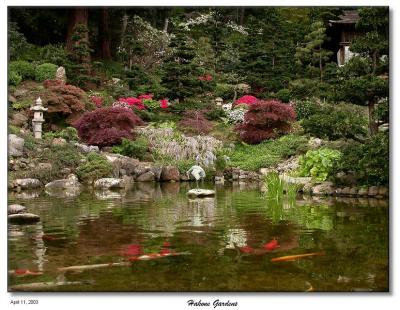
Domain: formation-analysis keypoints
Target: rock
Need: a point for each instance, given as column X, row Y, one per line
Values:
column 15, row 145
column 70, row 182
column 65, row 171
column 19, row 119
column 106, row 183
column 346, row 179
column 45, row 166
column 373, row 191
column 23, row 218
column 346, row 191
column 64, row 192
column 127, row 164
column 59, row 141
column 325, row 188
column 27, row 183
column 265, row 171
column 295, row 180
column 197, row 192
column 338, row 191
column 15, row 209
column 353, row 191
column 20, row 92
column 383, row 191
column 170, row 173
column 157, row 172
column 61, row 75
column 315, row 143
column 11, row 98
column 87, row 148
column 184, row 178
column 146, row 177
column 219, row 180
column 362, row 192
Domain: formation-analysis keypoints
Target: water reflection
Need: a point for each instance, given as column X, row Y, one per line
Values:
column 93, row 226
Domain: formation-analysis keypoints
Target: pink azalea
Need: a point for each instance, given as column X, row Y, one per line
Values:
column 247, row 99
column 146, row 97
column 163, row 103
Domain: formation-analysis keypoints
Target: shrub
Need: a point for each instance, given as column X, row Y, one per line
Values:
column 268, row 153
column 265, row 120
column 246, row 99
column 344, row 121
column 283, row 95
column 69, row 134
column 370, row 160
column 95, row 167
column 67, row 100
column 136, row 149
column 45, row 71
column 304, row 108
column 61, row 156
column 107, row 126
column 14, row 78
column 25, row 69
column 319, row 164
column 195, row 122
column 53, row 53
column 225, row 91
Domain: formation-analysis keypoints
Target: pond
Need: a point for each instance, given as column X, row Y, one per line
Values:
column 348, row 239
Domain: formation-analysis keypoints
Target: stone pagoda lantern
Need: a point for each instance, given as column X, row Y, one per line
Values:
column 38, row 119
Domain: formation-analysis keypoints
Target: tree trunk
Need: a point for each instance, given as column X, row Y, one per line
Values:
column 373, row 126
column 320, row 63
column 76, row 16
column 104, row 35
column 241, row 22
column 166, row 22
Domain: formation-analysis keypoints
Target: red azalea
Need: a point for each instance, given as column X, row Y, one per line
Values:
column 247, row 99
column 163, row 103
column 131, row 250
column 246, row 249
column 206, row 77
column 272, row 245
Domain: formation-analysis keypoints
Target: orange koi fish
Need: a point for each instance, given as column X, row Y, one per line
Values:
column 295, row 257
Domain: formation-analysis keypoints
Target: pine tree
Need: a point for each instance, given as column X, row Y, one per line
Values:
column 311, row 52
column 180, row 73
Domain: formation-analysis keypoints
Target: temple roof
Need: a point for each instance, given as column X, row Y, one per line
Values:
column 348, row 17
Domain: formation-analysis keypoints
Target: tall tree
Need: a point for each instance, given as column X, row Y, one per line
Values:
column 76, row 17
column 104, row 34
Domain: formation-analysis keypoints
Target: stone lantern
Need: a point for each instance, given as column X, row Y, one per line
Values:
column 38, row 119
column 219, row 101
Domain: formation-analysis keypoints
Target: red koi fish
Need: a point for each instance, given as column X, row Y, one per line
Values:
column 132, row 250
column 246, row 249
column 272, row 245
column 24, row 272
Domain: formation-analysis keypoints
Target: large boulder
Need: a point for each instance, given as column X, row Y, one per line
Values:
column 15, row 145
column 170, row 173
column 107, row 183
column 87, row 148
column 16, row 209
column 19, row 119
column 325, row 188
column 27, row 183
column 70, row 182
column 23, row 218
column 198, row 192
column 122, row 165
column 146, row 177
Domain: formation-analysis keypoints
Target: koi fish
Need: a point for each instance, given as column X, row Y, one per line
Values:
column 295, row 257
column 24, row 272
column 272, row 245
column 166, row 244
column 246, row 249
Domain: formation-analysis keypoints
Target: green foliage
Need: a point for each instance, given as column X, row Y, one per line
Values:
column 274, row 185
column 17, row 43
column 25, row 69
column 151, row 104
column 46, row 71
column 370, row 160
column 22, row 104
column 14, row 78
column 305, row 108
column 136, row 149
column 70, row 134
column 53, row 53
column 342, row 121
column 224, row 90
column 268, row 153
column 61, row 156
column 283, row 95
column 95, row 167
column 319, row 164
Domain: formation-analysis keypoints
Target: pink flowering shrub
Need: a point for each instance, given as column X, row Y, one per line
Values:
column 206, row 77
column 96, row 100
column 107, row 126
column 133, row 102
column 164, row 103
column 246, row 99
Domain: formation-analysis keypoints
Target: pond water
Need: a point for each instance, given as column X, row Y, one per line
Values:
column 350, row 236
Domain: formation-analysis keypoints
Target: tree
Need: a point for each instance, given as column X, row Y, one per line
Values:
column 104, row 35
column 311, row 52
column 180, row 73
column 76, row 17
column 363, row 80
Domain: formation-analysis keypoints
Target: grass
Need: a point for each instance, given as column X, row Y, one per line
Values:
column 278, row 188
column 268, row 153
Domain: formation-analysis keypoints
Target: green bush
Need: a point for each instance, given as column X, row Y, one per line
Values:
column 95, row 167
column 370, row 161
column 70, row 134
column 54, row 54
column 62, row 156
column 268, row 153
column 319, row 164
column 136, row 149
column 23, row 104
column 305, row 108
column 25, row 69
column 46, row 71
column 14, row 78
column 343, row 121
column 225, row 91
column 284, row 95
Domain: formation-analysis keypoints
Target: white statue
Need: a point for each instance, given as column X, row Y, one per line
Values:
column 197, row 172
